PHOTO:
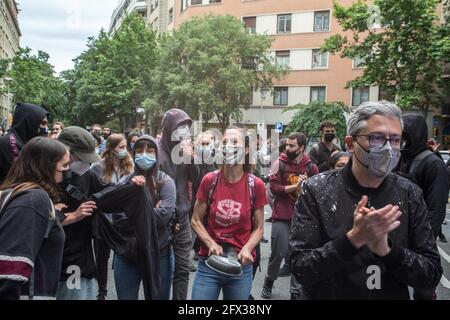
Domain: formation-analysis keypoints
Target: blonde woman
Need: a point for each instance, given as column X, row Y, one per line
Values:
column 116, row 163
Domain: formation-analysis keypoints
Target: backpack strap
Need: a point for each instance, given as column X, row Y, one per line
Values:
column 417, row 161
column 213, row 187
column 282, row 168
column 309, row 169
column 252, row 186
column 13, row 148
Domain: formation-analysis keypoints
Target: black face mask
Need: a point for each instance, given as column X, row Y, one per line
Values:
column 292, row 155
column 43, row 131
column 67, row 178
column 329, row 137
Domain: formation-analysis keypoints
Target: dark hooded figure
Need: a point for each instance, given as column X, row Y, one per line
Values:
column 422, row 166
column 29, row 121
column 176, row 123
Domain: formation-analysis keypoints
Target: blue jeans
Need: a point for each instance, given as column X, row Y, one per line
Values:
column 208, row 284
column 86, row 289
column 128, row 278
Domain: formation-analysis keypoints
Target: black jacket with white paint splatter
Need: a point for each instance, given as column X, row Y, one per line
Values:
column 326, row 263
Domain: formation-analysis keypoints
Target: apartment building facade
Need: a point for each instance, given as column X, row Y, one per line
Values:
column 299, row 29
column 125, row 7
column 9, row 44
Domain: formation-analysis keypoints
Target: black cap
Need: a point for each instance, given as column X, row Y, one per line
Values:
column 81, row 143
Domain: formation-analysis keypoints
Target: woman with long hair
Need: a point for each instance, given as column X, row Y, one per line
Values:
column 163, row 194
column 31, row 236
column 232, row 200
column 116, row 163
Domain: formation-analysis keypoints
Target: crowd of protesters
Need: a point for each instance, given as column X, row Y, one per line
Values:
column 71, row 199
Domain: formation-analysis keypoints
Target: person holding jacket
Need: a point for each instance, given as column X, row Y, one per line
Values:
column 116, row 163
column 31, row 236
column 29, row 121
column 147, row 174
column 363, row 232
column 295, row 162
column 175, row 140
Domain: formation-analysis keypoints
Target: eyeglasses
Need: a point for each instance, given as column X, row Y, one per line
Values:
column 379, row 140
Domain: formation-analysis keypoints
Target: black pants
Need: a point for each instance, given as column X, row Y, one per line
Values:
column 102, row 253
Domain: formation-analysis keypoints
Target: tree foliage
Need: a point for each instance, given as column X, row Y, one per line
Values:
column 210, row 66
column 406, row 56
column 309, row 117
column 112, row 78
column 34, row 81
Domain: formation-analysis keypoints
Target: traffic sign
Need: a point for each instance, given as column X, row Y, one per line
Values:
column 279, row 127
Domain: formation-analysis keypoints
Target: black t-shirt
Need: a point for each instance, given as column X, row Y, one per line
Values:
column 78, row 250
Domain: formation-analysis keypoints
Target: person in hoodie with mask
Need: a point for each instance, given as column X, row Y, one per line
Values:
column 422, row 166
column 294, row 162
column 116, row 163
column 363, row 232
column 29, row 121
column 147, row 174
column 78, row 185
column 175, row 141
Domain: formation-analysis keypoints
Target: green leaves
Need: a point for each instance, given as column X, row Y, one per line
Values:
column 34, row 81
column 309, row 117
column 406, row 57
column 210, row 64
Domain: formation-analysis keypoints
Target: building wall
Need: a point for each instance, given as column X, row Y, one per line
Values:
column 301, row 42
column 126, row 7
column 9, row 45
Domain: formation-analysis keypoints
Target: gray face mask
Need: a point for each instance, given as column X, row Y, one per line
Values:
column 381, row 160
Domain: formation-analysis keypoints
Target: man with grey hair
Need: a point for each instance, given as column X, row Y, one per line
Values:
column 362, row 232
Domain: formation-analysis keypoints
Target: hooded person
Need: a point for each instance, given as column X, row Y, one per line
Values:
column 176, row 131
column 77, row 187
column 29, row 121
column 423, row 167
column 162, row 193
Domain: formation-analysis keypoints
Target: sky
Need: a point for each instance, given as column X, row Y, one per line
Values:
column 61, row 27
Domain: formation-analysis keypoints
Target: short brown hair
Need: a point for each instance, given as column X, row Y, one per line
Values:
column 300, row 137
column 327, row 124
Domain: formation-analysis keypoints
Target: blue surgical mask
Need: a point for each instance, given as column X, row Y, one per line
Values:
column 123, row 154
column 131, row 146
column 145, row 162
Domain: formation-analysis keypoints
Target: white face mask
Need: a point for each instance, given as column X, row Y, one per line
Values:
column 181, row 133
column 233, row 155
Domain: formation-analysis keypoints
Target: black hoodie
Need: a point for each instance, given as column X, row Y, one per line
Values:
column 431, row 173
column 180, row 173
column 26, row 121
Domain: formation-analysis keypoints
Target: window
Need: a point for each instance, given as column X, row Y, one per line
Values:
column 358, row 62
column 284, row 23
column 319, row 60
column 280, row 97
column 318, row 94
column 215, row 1
column 360, row 95
column 196, row 2
column 250, row 24
column 283, row 58
column 170, row 15
column 322, row 21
